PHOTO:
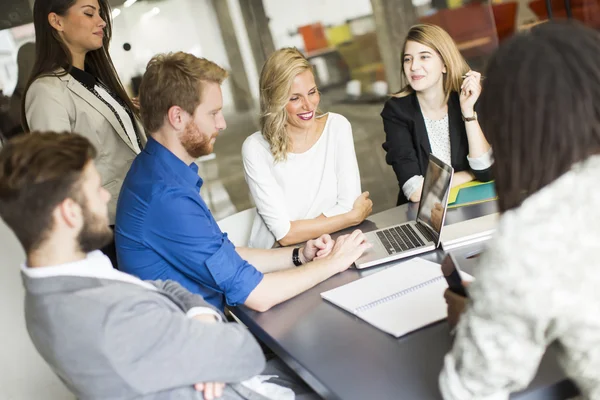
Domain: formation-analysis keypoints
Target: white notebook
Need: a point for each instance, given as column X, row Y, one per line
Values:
column 397, row 300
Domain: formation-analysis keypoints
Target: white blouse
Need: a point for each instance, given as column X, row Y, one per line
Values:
column 536, row 284
column 322, row 180
column 439, row 138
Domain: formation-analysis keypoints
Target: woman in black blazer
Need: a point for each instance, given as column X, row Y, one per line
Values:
column 434, row 113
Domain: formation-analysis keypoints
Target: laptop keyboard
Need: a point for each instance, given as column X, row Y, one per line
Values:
column 399, row 238
column 425, row 232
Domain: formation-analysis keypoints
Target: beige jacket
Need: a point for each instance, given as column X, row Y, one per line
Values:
column 63, row 104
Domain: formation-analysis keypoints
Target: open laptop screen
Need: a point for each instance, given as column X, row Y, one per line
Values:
column 434, row 197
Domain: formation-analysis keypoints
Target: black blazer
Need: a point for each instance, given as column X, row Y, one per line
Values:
column 407, row 143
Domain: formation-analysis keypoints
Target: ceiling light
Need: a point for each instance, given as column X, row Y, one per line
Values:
column 151, row 13
column 129, row 3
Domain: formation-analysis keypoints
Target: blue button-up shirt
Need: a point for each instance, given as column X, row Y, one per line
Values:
column 164, row 230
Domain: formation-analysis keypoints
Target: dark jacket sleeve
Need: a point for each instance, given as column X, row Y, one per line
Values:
column 483, row 175
column 401, row 151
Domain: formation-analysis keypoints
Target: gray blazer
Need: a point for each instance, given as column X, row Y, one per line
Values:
column 108, row 339
column 63, row 104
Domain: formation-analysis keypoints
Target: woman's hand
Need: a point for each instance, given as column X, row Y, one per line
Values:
column 469, row 93
column 362, row 208
column 456, row 305
column 136, row 102
column 416, row 196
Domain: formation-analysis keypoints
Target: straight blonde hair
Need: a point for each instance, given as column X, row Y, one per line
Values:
column 439, row 40
column 276, row 80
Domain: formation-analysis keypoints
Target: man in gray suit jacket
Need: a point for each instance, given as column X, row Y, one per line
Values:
column 106, row 334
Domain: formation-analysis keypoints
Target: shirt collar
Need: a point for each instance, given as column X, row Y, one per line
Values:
column 85, row 78
column 187, row 173
column 95, row 265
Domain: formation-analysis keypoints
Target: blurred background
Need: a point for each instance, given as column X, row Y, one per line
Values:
column 354, row 46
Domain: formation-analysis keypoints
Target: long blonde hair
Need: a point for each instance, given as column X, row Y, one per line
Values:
column 276, row 80
column 438, row 39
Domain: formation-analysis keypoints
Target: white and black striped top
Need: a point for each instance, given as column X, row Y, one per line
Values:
column 122, row 112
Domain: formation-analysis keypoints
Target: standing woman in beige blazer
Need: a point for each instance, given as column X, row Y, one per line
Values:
column 74, row 88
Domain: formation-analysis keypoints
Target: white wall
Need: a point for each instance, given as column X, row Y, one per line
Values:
column 181, row 25
column 287, row 15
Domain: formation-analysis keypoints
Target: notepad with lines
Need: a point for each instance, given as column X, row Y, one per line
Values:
column 397, row 300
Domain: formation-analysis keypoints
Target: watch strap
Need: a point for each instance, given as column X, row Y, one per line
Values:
column 296, row 257
column 469, row 119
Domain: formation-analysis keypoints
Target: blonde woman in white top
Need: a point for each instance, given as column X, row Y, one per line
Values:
column 537, row 283
column 301, row 167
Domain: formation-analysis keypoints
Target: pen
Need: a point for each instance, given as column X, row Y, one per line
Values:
column 466, row 76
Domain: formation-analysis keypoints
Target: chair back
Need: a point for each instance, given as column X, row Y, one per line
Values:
column 239, row 226
column 19, row 357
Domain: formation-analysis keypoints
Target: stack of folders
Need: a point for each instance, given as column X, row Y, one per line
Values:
column 469, row 232
column 398, row 300
column 471, row 193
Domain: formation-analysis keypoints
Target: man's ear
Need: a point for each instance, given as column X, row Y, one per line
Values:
column 56, row 21
column 177, row 118
column 69, row 213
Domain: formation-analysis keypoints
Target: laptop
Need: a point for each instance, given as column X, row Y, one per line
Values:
column 419, row 236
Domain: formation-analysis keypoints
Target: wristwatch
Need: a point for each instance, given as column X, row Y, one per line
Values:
column 296, row 257
column 469, row 119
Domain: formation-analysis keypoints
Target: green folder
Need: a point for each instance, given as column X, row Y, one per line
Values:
column 471, row 193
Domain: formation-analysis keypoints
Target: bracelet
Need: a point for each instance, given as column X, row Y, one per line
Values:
column 296, row 257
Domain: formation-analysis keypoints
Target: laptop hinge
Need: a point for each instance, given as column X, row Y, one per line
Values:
column 426, row 231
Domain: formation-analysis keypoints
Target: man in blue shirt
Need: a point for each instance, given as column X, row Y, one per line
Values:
column 164, row 230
